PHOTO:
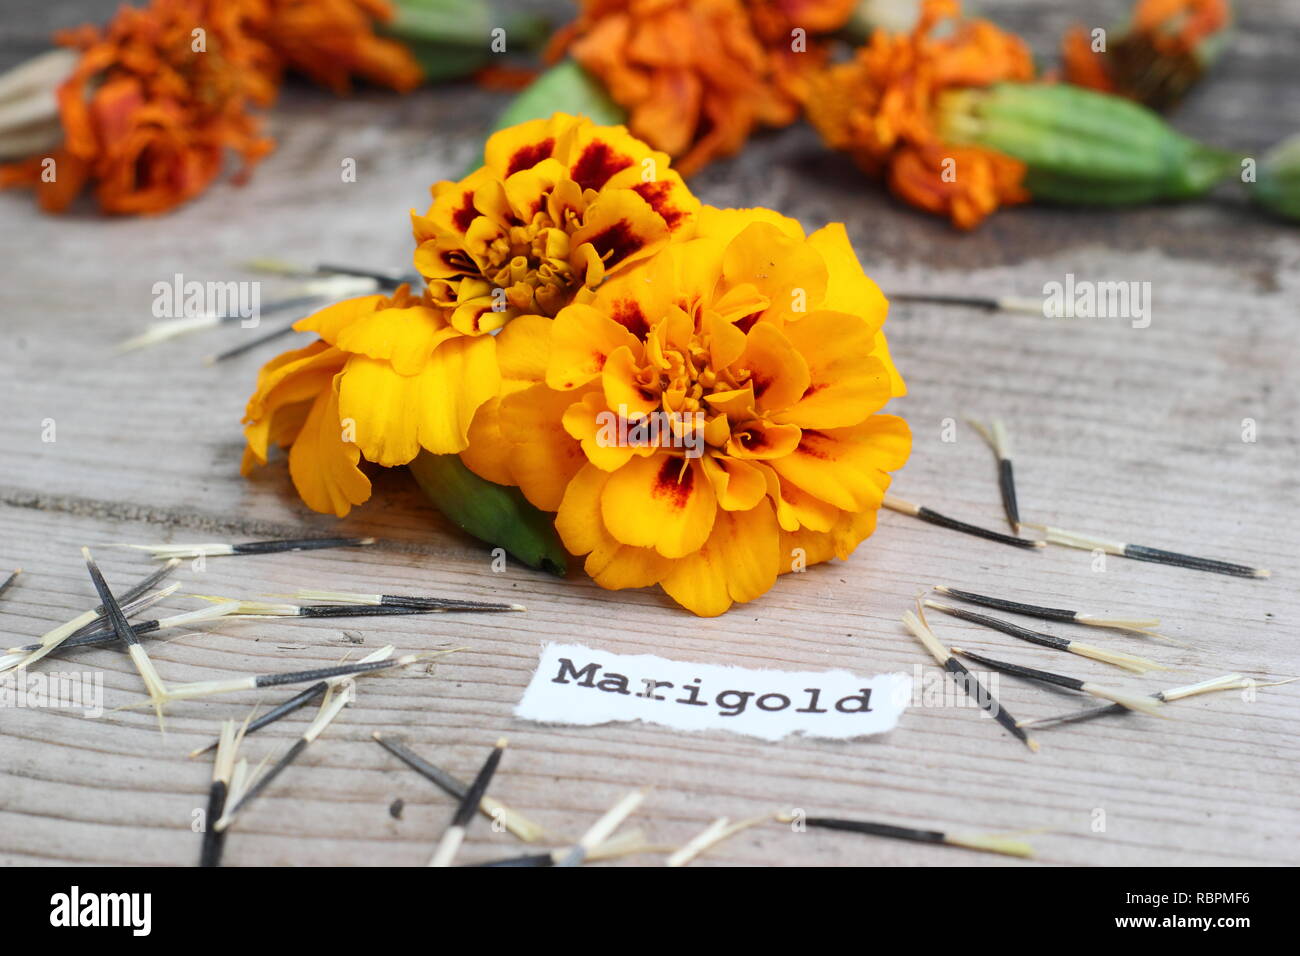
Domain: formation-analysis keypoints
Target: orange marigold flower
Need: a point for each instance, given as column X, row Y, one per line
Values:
column 147, row 118
column 880, row 108
column 708, row 419
column 558, row 204
column 1162, row 53
column 162, row 92
column 697, row 76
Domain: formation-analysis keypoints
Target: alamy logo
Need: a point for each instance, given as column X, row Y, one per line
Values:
column 179, row 299
column 1084, row 299
column 83, row 690
column 656, row 429
column 74, row 908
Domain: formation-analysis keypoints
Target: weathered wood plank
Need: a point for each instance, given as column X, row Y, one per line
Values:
column 1120, row 431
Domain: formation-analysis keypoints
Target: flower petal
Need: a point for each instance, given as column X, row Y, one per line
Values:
column 521, row 147
column 628, row 389
column 395, row 415
column 582, row 338
column 738, row 485
column 663, row 502
column 461, row 376
column 762, row 440
column 330, row 321
column 406, row 337
column 612, row 565
column 848, row 289
column 846, row 383
column 777, row 372
column 787, row 271
column 590, row 421
column 739, row 562
column 847, row 467
column 622, row 228
column 543, row 456
column 322, row 465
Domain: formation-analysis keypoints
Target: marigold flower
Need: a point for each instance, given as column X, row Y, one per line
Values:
column 697, row 76
column 389, row 376
column 755, row 345
column 558, row 205
column 145, row 117
column 162, row 92
column 1166, row 47
column 331, row 41
column 881, row 109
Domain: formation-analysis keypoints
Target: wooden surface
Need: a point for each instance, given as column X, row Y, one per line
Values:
column 1134, row 433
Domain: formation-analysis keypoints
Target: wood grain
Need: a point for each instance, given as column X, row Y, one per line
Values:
column 1133, row 433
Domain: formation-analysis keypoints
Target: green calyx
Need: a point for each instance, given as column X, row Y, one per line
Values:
column 1081, row 146
column 564, row 88
column 451, row 39
column 494, row 513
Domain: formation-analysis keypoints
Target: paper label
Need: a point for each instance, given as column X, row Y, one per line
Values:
column 577, row 685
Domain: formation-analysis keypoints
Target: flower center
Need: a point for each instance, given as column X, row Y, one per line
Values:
column 530, row 261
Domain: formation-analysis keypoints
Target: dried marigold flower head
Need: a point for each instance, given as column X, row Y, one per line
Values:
column 558, row 205
column 697, row 76
column 162, row 92
column 708, row 419
column 332, row 41
column 1165, row 49
column 151, row 107
column 881, row 109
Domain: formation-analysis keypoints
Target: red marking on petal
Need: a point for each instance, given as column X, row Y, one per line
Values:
column 656, row 194
column 748, row 321
column 673, row 483
column 807, row 448
column 627, row 313
column 464, row 217
column 526, row 157
column 596, row 164
column 616, row 243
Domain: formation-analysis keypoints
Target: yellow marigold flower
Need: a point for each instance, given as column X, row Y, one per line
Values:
column 389, row 376
column 881, row 109
column 700, row 417
column 558, row 205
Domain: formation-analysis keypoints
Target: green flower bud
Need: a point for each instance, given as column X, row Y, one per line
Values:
column 1081, row 146
column 494, row 513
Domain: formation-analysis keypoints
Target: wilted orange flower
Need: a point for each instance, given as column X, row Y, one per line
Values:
column 697, row 76
column 331, row 41
column 708, row 419
column 558, row 204
column 161, row 93
column 147, row 118
column 880, row 108
column 1165, row 49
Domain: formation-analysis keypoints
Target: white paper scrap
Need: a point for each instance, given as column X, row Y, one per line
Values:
column 577, row 685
